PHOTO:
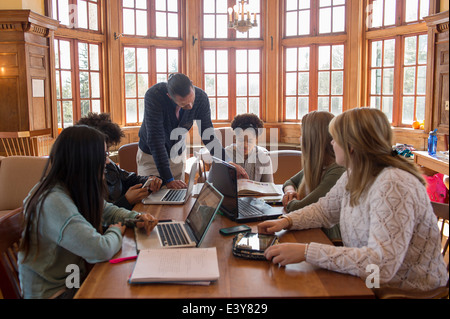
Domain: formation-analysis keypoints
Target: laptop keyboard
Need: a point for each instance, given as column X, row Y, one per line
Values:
column 174, row 195
column 245, row 209
column 172, row 234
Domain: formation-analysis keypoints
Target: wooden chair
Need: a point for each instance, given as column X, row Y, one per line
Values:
column 127, row 157
column 441, row 212
column 23, row 144
column 286, row 163
column 10, row 233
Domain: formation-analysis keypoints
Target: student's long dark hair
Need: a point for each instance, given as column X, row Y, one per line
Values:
column 76, row 163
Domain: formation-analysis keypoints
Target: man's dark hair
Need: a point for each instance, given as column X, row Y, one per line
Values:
column 103, row 123
column 179, row 84
column 247, row 120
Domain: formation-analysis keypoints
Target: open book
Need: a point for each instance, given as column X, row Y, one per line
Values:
column 248, row 187
column 178, row 265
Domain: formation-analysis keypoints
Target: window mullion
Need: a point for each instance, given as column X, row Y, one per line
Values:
column 76, row 82
column 232, row 82
column 314, row 77
column 314, row 18
column 397, row 111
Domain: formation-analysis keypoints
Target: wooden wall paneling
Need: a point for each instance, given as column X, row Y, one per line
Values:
column 441, row 109
column 437, row 73
column 26, row 107
column 13, row 78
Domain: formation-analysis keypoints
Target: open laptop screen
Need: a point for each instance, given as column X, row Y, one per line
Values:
column 203, row 210
column 223, row 177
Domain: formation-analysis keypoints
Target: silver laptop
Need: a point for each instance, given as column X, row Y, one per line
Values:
column 190, row 233
column 173, row 196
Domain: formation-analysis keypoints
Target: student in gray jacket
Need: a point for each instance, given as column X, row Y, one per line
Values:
column 64, row 215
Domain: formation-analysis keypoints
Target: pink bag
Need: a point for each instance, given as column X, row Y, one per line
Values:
column 436, row 188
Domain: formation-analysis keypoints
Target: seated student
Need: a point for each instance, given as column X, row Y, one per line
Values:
column 385, row 215
column 124, row 188
column 320, row 171
column 64, row 214
column 253, row 158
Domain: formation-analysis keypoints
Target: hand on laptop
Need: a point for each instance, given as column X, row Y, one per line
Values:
column 148, row 222
column 155, row 183
column 136, row 193
column 240, row 171
column 176, row 184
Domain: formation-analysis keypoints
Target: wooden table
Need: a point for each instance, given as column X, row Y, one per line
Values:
column 239, row 278
column 422, row 158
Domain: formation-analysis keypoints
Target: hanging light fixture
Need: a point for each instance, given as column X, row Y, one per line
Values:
column 239, row 17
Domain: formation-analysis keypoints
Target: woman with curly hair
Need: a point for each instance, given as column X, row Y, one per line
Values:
column 253, row 158
column 124, row 188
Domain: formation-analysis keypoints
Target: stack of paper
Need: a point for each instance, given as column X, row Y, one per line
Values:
column 182, row 265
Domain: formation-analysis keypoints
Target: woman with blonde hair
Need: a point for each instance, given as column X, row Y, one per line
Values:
column 320, row 171
column 386, row 218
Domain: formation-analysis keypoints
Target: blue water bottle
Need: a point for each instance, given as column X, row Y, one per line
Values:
column 432, row 142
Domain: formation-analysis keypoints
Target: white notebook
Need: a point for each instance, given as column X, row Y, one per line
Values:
column 178, row 265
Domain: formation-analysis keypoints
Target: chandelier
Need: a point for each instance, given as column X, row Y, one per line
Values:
column 239, row 17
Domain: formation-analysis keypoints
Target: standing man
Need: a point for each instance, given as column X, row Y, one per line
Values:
column 170, row 109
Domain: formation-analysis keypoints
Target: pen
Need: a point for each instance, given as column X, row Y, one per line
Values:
column 135, row 220
column 118, row 260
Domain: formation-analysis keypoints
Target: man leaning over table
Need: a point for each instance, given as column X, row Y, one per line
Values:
column 170, row 110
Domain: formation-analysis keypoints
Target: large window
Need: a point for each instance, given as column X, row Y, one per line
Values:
column 382, row 75
column 301, row 61
column 79, row 88
column 151, row 30
column 64, row 88
column 143, row 66
column 314, row 84
column 397, row 64
column 414, row 78
column 158, row 18
column 233, row 90
column 81, row 14
column 301, row 17
column 232, row 75
column 314, row 72
column 386, row 13
column 78, row 62
column 216, row 82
